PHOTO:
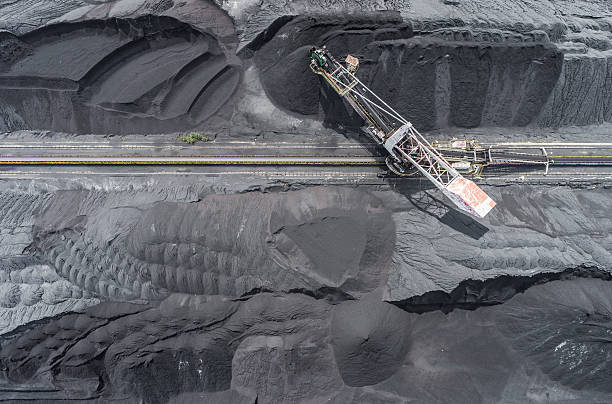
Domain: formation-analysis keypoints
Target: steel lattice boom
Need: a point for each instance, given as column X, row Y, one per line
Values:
column 406, row 146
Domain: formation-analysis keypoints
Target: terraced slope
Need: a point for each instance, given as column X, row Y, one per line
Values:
column 149, row 74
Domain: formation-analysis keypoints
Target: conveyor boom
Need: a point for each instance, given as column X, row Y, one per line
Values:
column 406, row 146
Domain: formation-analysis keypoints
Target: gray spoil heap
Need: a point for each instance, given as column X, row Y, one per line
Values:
column 240, row 290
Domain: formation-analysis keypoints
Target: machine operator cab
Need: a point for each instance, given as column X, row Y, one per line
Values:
column 321, row 59
column 318, row 57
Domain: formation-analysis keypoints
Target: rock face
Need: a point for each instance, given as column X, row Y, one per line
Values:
column 574, row 103
column 442, row 84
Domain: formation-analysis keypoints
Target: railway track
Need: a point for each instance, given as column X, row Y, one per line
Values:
column 495, row 160
column 272, row 160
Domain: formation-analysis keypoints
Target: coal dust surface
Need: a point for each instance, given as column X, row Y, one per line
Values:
column 167, row 293
column 144, row 75
column 327, row 284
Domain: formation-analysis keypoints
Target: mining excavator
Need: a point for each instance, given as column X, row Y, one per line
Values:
column 408, row 149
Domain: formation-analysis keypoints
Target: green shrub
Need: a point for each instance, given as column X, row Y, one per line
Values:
column 194, row 137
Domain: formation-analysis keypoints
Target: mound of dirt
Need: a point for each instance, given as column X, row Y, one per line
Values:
column 370, row 340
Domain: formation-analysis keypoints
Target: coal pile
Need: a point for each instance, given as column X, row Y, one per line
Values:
column 244, row 289
column 143, row 75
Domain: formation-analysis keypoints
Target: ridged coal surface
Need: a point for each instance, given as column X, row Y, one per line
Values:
column 143, row 75
column 217, row 246
column 202, row 299
column 449, row 80
column 534, row 70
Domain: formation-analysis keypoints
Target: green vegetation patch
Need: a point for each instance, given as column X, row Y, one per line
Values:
column 194, row 137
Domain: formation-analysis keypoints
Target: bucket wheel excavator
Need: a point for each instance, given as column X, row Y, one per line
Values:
column 408, row 149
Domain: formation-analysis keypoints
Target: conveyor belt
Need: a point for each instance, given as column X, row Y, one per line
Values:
column 566, row 155
column 187, row 160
